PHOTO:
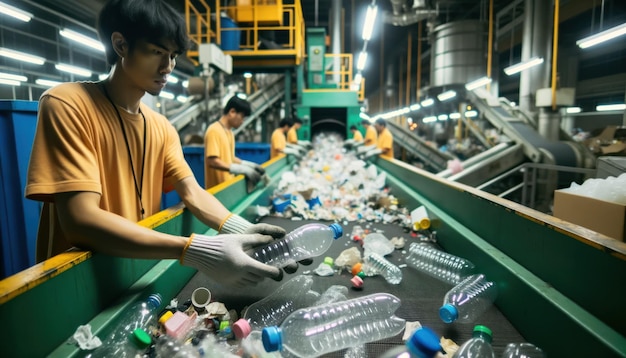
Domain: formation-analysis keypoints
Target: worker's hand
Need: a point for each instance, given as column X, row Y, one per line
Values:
column 226, row 258
column 305, row 144
column 372, row 153
column 238, row 225
column 293, row 152
column 250, row 173
column 254, row 166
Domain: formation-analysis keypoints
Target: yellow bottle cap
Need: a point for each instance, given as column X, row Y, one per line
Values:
column 165, row 316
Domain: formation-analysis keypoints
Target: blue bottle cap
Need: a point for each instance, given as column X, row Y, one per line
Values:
column 154, row 300
column 337, row 230
column 424, row 343
column 448, row 313
column 272, row 340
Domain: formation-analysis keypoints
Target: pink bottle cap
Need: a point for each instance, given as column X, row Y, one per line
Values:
column 357, row 282
column 241, row 328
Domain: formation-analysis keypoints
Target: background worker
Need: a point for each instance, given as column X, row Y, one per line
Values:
column 371, row 135
column 385, row 139
column 292, row 133
column 220, row 162
column 85, row 129
column 278, row 142
column 356, row 134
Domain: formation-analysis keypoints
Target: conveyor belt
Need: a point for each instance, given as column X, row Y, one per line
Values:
column 421, row 295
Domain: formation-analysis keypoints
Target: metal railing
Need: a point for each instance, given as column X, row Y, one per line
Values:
column 538, row 183
column 198, row 20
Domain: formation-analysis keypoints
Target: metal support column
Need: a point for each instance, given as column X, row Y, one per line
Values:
column 336, row 39
column 288, row 93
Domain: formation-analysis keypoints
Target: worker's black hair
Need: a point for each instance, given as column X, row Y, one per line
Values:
column 297, row 120
column 353, row 127
column 285, row 122
column 150, row 20
column 381, row 122
column 365, row 122
column 240, row 105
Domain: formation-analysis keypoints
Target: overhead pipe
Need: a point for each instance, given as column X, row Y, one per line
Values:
column 406, row 19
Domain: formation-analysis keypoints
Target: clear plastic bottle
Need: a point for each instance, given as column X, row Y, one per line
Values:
column 307, row 241
column 313, row 331
column 468, row 300
column 438, row 264
column 273, row 309
column 522, row 350
column 169, row 347
column 423, row 343
column 127, row 334
column 479, row 346
column 375, row 264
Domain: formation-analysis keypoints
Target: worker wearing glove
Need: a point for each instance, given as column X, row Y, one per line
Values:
column 305, row 144
column 292, row 133
column 293, row 152
column 220, row 163
column 278, row 142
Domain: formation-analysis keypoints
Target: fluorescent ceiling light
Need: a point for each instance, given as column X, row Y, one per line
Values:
column 21, row 56
column 360, row 65
column 182, row 98
column 103, row 76
column 600, row 37
column 483, row 81
column 358, row 78
column 446, row 95
column 611, row 107
column 442, row 117
column 185, row 83
column 47, row 83
column 573, row 110
column 10, row 82
column 533, row 61
column 471, row 114
column 409, row 120
column 364, row 115
column 172, row 79
column 247, row 75
column 165, row 94
column 12, row 77
column 82, row 39
column 427, row 102
column 370, row 18
column 73, row 69
column 15, row 12
column 455, row 115
column 415, row 107
column 429, row 119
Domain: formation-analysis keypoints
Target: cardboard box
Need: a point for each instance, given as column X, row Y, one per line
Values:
column 601, row 216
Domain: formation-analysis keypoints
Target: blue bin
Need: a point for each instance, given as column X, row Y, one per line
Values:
column 253, row 152
column 194, row 155
column 19, row 217
column 229, row 39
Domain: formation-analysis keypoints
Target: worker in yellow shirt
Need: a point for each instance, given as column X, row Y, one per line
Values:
column 278, row 142
column 292, row 133
column 385, row 139
column 356, row 135
column 371, row 136
column 220, row 162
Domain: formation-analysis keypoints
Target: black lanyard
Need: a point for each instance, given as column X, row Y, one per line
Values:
column 138, row 186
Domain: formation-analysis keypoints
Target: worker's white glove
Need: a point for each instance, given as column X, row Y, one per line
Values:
column 254, row 165
column 348, row 143
column 250, row 173
column 226, row 258
column 305, row 144
column 360, row 151
column 293, row 152
column 300, row 149
column 371, row 153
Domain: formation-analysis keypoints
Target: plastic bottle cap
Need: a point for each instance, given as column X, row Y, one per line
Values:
column 241, row 328
column 271, row 338
column 357, row 282
column 141, row 338
column 356, row 268
column 337, row 230
column 361, row 274
column 424, row 343
column 155, row 299
column 448, row 313
column 165, row 316
column 482, row 331
column 329, row 261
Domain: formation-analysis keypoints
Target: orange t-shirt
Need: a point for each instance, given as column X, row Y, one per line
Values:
column 278, row 143
column 218, row 142
column 292, row 135
column 385, row 141
column 357, row 136
column 371, row 136
column 79, row 146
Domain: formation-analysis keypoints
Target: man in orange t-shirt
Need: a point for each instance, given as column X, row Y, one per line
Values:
column 292, row 133
column 371, row 136
column 385, row 139
column 101, row 159
column 356, row 135
column 278, row 142
column 220, row 162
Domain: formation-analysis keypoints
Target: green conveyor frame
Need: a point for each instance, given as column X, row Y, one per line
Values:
column 561, row 286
